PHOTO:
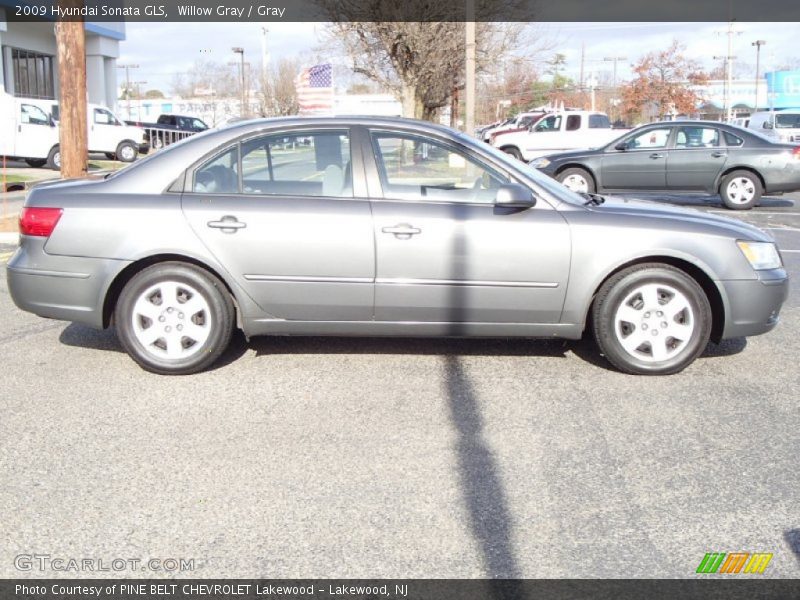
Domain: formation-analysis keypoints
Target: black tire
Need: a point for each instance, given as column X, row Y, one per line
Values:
column 127, row 151
column 110, row 156
column 625, row 285
column 220, row 319
column 157, row 143
column 36, row 163
column 749, row 182
column 54, row 158
column 513, row 151
column 591, row 188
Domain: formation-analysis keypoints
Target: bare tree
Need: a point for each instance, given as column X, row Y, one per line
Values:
column 207, row 78
column 277, row 90
column 422, row 63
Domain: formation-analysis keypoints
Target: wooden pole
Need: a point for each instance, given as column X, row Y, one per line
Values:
column 71, row 42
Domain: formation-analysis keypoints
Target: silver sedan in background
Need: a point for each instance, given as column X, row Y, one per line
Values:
column 380, row 227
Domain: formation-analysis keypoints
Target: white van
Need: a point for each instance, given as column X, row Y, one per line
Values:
column 780, row 125
column 28, row 132
column 109, row 135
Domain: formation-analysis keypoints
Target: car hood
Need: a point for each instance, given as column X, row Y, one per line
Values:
column 657, row 210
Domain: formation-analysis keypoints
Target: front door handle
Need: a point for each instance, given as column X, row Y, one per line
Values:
column 719, row 154
column 656, row 155
column 228, row 224
column 403, row 231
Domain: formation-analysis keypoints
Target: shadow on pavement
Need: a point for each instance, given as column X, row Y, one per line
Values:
column 792, row 537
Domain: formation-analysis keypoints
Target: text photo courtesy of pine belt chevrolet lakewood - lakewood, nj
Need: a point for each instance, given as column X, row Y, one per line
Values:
column 486, row 299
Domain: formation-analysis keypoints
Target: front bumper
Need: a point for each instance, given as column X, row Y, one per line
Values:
column 754, row 304
column 69, row 288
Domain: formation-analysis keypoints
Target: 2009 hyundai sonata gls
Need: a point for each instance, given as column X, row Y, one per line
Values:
column 382, row 227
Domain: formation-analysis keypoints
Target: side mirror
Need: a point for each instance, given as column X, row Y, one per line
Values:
column 621, row 146
column 514, row 195
column 767, row 125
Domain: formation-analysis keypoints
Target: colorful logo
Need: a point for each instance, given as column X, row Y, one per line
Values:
column 734, row 562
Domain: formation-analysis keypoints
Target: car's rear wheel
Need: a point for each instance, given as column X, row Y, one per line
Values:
column 740, row 190
column 54, row 158
column 174, row 318
column 578, row 180
column 651, row 319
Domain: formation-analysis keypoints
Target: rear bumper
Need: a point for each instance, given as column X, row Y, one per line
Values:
column 754, row 305
column 60, row 287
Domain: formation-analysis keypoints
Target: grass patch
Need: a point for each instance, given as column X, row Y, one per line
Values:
column 16, row 178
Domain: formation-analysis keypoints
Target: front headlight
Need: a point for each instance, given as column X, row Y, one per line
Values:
column 761, row 255
column 539, row 163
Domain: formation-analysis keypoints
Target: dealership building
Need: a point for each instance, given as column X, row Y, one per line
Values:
column 28, row 65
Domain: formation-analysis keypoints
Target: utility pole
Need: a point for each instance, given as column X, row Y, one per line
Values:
column 469, row 80
column 138, row 100
column 240, row 52
column 615, row 60
column 71, row 47
column 264, row 54
column 730, row 32
column 583, row 60
column 757, row 44
column 128, row 84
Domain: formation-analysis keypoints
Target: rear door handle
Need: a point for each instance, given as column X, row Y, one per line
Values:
column 719, row 154
column 402, row 231
column 656, row 155
column 228, row 224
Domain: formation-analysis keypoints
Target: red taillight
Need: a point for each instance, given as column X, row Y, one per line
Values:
column 39, row 221
column 796, row 152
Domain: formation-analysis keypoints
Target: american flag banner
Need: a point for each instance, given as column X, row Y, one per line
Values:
column 315, row 90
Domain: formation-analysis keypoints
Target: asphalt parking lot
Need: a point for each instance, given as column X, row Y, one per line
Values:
column 327, row 457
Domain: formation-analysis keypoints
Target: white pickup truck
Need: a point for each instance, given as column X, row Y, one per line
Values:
column 557, row 132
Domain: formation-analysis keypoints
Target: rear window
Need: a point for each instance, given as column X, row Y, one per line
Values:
column 790, row 121
column 573, row 122
column 599, row 122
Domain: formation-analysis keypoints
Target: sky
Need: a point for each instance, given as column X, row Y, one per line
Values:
column 163, row 49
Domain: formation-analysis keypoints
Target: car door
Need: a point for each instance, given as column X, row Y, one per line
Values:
column 35, row 134
column 284, row 215
column 696, row 158
column 445, row 253
column 638, row 162
column 545, row 136
column 104, row 131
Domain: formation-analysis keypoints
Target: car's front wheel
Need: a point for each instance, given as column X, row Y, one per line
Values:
column 126, row 152
column 651, row 319
column 174, row 318
column 513, row 151
column 740, row 190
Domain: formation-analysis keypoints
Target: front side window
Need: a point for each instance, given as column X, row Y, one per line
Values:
column 787, row 121
column 104, row 117
column 551, row 123
column 697, row 137
column 198, row 124
column 33, row 115
column 417, row 168
column 652, row 138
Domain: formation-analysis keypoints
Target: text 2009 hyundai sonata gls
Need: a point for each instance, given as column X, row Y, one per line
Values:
column 380, row 227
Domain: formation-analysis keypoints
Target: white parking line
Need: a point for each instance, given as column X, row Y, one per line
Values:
column 754, row 214
column 789, row 229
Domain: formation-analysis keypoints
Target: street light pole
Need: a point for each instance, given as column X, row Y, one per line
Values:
column 615, row 60
column 128, row 84
column 757, row 44
column 240, row 52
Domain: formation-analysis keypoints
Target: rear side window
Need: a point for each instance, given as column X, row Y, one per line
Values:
column 573, row 122
column 787, row 121
column 599, row 122
column 315, row 163
column 733, row 140
column 220, row 175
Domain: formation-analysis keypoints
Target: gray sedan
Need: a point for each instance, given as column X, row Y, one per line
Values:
column 380, row 227
column 683, row 156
